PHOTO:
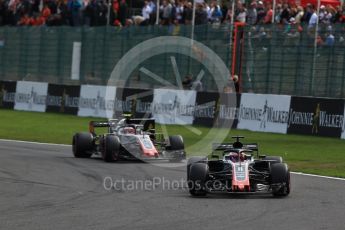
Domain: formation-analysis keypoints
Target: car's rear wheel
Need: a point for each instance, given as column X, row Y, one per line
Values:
column 280, row 179
column 176, row 143
column 111, row 149
column 82, row 145
column 197, row 177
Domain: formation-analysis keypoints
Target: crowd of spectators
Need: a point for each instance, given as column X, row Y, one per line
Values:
column 61, row 12
column 99, row 13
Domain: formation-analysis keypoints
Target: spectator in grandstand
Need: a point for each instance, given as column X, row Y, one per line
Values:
column 46, row 12
column 87, row 12
column 2, row 12
column 188, row 13
column 269, row 14
column 308, row 12
column 277, row 14
column 166, row 10
column 252, row 14
column 74, row 6
column 179, row 12
column 241, row 13
column 322, row 14
column 201, row 14
column 329, row 39
column 293, row 34
column 153, row 14
column 285, row 15
column 338, row 17
column 313, row 19
column 299, row 15
column 114, row 12
column 228, row 15
column 25, row 20
column 146, row 12
column 261, row 13
column 216, row 14
column 330, row 13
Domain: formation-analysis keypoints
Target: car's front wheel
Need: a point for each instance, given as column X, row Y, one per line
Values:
column 280, row 179
column 197, row 178
column 82, row 145
column 111, row 149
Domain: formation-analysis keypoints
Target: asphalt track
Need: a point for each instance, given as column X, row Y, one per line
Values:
column 44, row 187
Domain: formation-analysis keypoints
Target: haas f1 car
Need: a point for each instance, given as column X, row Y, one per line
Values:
column 128, row 139
column 232, row 168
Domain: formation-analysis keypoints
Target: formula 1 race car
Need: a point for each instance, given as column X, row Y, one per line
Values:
column 128, row 139
column 232, row 168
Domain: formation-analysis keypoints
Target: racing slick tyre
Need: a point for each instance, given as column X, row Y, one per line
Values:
column 111, row 148
column 176, row 143
column 280, row 179
column 82, row 145
column 197, row 179
column 191, row 161
column 274, row 159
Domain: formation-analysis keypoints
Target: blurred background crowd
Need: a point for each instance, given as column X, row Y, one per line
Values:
column 169, row 12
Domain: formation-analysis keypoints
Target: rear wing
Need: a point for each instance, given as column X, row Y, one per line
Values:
column 229, row 146
column 147, row 123
column 101, row 124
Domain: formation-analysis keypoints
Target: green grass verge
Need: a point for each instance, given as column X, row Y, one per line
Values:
column 317, row 155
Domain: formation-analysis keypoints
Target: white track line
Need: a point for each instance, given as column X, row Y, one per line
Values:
column 31, row 142
column 40, row 143
column 313, row 175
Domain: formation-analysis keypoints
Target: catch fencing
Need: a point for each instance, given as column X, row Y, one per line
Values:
column 273, row 59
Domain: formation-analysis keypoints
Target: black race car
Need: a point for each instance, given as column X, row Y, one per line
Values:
column 130, row 139
column 234, row 168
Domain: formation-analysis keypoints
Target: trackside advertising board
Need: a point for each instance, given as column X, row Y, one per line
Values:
column 227, row 110
column 135, row 101
column 264, row 112
column 343, row 128
column 7, row 94
column 256, row 112
column 173, row 106
column 316, row 116
column 93, row 101
column 63, row 99
column 31, row 96
column 205, row 107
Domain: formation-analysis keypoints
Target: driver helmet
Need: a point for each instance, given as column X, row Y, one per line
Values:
column 236, row 157
column 128, row 130
column 233, row 156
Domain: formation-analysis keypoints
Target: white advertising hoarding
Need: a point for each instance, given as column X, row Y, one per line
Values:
column 31, row 96
column 264, row 112
column 93, row 101
column 173, row 106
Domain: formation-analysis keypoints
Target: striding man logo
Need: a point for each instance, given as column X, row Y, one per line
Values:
column 316, row 120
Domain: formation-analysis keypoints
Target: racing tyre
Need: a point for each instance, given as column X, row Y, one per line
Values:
column 176, row 143
column 191, row 161
column 280, row 179
column 111, row 148
column 274, row 159
column 82, row 145
column 198, row 174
